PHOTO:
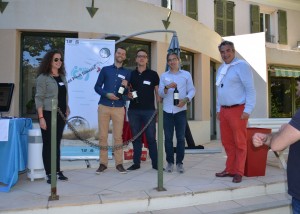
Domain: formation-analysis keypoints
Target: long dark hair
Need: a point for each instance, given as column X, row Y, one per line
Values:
column 45, row 66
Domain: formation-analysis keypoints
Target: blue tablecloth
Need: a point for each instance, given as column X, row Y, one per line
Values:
column 14, row 152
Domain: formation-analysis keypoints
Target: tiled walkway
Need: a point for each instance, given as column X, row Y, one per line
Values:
column 111, row 192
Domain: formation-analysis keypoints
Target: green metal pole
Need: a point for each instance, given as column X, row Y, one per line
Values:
column 53, row 195
column 160, row 179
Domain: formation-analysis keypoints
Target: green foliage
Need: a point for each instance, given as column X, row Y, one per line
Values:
column 30, row 104
column 275, row 107
column 35, row 46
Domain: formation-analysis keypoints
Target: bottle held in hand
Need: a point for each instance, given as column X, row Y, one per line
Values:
column 135, row 97
column 121, row 91
column 176, row 97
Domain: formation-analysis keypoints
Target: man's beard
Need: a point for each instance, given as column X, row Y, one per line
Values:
column 119, row 61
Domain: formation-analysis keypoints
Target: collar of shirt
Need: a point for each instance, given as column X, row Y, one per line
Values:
column 114, row 66
column 172, row 72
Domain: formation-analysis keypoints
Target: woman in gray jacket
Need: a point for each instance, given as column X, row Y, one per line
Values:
column 51, row 83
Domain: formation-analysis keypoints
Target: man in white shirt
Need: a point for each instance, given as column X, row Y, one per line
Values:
column 175, row 116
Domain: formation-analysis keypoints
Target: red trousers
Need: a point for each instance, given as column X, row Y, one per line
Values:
column 234, row 138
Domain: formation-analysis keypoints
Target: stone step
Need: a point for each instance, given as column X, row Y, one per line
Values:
column 216, row 195
column 243, row 199
column 269, row 204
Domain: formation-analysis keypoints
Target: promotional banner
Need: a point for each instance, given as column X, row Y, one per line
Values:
column 84, row 59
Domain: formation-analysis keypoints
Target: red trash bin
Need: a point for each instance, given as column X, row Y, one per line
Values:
column 256, row 159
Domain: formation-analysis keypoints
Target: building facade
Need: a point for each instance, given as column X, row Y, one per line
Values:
column 29, row 28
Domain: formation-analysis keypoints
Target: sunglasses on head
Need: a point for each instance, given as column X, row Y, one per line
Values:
column 56, row 59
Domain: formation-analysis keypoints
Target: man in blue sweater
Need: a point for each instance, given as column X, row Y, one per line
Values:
column 111, row 107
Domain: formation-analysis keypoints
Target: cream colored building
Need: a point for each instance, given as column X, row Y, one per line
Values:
column 126, row 17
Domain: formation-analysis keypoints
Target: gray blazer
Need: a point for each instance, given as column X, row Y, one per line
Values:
column 46, row 90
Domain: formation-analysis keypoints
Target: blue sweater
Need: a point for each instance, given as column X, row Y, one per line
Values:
column 109, row 81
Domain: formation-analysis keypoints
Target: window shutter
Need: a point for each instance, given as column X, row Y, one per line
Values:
column 282, row 27
column 192, row 9
column 219, row 17
column 230, row 18
column 164, row 3
column 224, row 17
column 255, row 19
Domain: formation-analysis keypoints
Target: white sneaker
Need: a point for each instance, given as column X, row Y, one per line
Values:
column 169, row 167
column 180, row 168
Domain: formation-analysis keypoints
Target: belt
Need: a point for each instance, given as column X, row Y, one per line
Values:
column 232, row 106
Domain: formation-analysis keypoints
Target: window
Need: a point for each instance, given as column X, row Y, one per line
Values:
column 166, row 3
column 265, row 26
column 262, row 20
column 34, row 46
column 282, row 27
column 192, row 9
column 224, row 17
column 187, row 63
column 283, row 99
column 255, row 24
column 131, row 47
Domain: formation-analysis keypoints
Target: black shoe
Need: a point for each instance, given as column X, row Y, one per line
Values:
column 61, row 176
column 49, row 179
column 237, row 178
column 121, row 169
column 101, row 168
column 134, row 167
column 224, row 174
column 155, row 167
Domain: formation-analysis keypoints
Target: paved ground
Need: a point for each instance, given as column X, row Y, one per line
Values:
column 111, row 189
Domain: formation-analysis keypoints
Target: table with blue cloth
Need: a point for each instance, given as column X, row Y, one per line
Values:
column 14, row 152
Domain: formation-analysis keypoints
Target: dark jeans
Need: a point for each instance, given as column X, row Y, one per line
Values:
column 137, row 120
column 46, row 135
column 295, row 206
column 177, row 121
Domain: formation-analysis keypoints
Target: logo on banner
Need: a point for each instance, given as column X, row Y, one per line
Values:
column 80, row 73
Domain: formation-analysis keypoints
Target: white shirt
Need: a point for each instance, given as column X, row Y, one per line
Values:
column 185, row 86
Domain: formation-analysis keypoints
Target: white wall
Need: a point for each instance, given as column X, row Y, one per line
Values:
column 293, row 28
column 283, row 57
column 206, row 13
column 242, row 17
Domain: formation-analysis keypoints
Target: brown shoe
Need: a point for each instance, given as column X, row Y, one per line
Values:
column 224, row 174
column 237, row 178
column 101, row 168
column 121, row 169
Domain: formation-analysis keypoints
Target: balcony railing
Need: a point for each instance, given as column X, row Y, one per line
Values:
column 270, row 38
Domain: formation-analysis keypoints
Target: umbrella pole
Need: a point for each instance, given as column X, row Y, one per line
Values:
column 160, row 180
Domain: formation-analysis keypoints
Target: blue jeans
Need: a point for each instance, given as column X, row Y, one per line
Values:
column 137, row 120
column 295, row 206
column 178, row 121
